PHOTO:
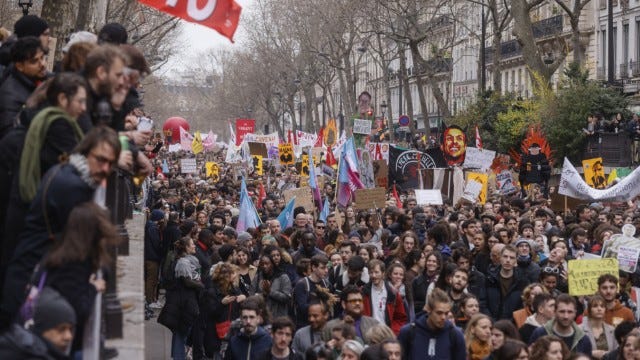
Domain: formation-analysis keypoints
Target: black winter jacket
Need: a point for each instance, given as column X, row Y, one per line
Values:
column 502, row 307
column 14, row 92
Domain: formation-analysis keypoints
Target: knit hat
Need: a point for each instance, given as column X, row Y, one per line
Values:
column 225, row 251
column 244, row 236
column 523, row 241
column 51, row 310
column 113, row 33
column 356, row 263
column 355, row 233
column 30, row 25
column 157, row 215
column 78, row 37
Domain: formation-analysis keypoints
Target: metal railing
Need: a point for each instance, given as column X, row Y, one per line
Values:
column 624, row 70
column 600, row 73
column 547, row 27
column 635, row 68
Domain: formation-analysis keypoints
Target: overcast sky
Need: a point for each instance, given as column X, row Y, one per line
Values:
column 198, row 39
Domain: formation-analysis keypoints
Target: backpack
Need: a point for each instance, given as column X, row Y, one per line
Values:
column 294, row 306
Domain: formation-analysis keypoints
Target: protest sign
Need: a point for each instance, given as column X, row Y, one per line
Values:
column 362, row 126
column 316, row 152
column 269, row 140
column 257, row 164
column 428, row 197
column 504, row 182
column 196, row 145
column 306, row 139
column 256, row 148
column 573, row 185
column 478, row 159
column 188, row 166
column 286, row 154
column 304, row 167
column 381, row 173
column 628, row 258
column 370, row 198
column 583, row 274
column 213, row 170
column 594, row 173
column 243, row 128
column 476, row 188
column 303, row 197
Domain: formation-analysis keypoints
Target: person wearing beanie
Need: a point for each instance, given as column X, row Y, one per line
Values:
column 526, row 261
column 113, row 33
column 48, row 335
column 153, row 256
column 31, row 25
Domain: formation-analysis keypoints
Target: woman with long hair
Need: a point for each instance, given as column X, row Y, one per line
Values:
column 477, row 337
column 511, row 350
column 600, row 334
column 503, row 330
column 469, row 306
column 549, row 348
column 274, row 285
column 420, row 285
column 246, row 271
column 282, row 261
column 408, row 241
column 73, row 262
column 221, row 304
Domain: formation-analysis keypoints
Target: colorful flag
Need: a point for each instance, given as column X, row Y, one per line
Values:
column 348, row 177
column 395, row 196
column 165, row 166
column 478, row 138
column 210, row 141
column 248, row 217
column 320, row 138
column 324, row 214
column 313, row 184
column 286, row 216
column 196, row 145
column 185, row 139
column 220, row 15
column 262, row 194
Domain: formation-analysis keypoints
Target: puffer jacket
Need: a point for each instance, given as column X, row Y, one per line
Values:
column 279, row 297
column 14, row 92
column 19, row 343
column 502, row 307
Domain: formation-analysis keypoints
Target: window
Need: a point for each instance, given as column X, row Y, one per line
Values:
column 615, row 47
column 625, row 43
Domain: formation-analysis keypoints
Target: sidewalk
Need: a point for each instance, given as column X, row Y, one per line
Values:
column 131, row 291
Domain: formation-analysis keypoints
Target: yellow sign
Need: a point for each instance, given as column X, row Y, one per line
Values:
column 583, row 274
column 257, row 164
column 304, row 169
column 483, row 180
column 213, row 171
column 594, row 173
column 331, row 133
column 285, row 153
column 196, row 144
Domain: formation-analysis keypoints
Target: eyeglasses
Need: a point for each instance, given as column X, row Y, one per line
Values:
column 320, row 227
column 551, row 270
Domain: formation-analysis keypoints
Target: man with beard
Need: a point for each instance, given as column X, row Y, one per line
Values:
column 457, row 286
column 352, row 302
column 565, row 327
column 615, row 312
column 28, row 71
column 253, row 339
column 318, row 315
column 282, row 330
column 307, row 247
column 63, row 187
column 454, row 145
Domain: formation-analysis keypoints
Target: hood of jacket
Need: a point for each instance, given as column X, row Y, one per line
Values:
column 578, row 333
column 531, row 320
column 259, row 335
column 79, row 162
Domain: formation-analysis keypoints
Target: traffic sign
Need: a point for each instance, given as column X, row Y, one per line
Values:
column 404, row 120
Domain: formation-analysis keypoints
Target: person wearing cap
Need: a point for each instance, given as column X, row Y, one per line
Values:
column 526, row 261
column 534, row 169
column 29, row 25
column 152, row 256
column 48, row 336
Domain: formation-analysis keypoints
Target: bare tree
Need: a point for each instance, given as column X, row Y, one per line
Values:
column 574, row 14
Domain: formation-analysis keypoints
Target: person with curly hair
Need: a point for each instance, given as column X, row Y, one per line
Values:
column 549, row 348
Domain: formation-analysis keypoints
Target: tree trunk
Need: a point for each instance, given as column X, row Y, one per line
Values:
column 420, row 84
column 497, row 58
column 60, row 14
column 406, row 89
column 575, row 40
column 92, row 15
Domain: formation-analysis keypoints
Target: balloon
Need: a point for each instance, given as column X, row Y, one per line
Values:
column 171, row 129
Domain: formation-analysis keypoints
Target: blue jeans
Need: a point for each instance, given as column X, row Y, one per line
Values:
column 178, row 346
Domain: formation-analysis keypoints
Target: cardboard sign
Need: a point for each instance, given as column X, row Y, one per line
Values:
column 285, row 152
column 303, row 197
column 478, row 159
column 257, row 164
column 213, row 170
column 304, row 168
column 370, row 198
column 583, row 274
column 428, row 197
column 316, row 152
column 594, row 173
column 381, row 173
column 362, row 126
column 188, row 166
column 628, row 258
column 256, row 148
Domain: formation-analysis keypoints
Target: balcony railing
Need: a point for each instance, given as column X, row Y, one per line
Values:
column 547, row 27
column 635, row 68
column 624, row 70
column 508, row 49
column 600, row 73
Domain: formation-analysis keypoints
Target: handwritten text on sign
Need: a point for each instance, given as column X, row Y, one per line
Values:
column 361, row 126
column 188, row 166
column 583, row 274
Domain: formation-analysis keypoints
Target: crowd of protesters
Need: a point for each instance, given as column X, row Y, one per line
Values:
column 457, row 281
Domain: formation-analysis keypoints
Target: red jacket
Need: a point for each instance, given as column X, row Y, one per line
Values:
column 395, row 314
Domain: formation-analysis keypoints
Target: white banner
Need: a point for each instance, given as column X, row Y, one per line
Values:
column 573, row 185
column 478, row 159
column 362, row 126
column 306, row 139
column 269, row 139
column 188, row 166
column 428, row 197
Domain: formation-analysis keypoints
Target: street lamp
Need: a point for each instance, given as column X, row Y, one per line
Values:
column 25, row 5
column 383, row 110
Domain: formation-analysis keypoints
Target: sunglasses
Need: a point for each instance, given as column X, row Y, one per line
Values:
column 551, row 270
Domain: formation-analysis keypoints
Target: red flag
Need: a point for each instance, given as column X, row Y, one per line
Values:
column 478, row 138
column 290, row 137
column 378, row 153
column 320, row 138
column 220, row 15
column 330, row 160
column 262, row 194
column 395, row 195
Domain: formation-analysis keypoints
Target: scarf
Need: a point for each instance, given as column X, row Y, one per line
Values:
column 478, row 350
column 79, row 162
column 30, row 167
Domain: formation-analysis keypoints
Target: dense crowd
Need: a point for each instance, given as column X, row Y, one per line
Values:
column 402, row 281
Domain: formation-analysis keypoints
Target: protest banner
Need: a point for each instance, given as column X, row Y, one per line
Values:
column 628, row 258
column 428, row 197
column 213, row 170
column 285, row 152
column 362, row 126
column 256, row 148
column 573, row 185
column 269, row 140
column 188, row 166
column 257, row 164
column 403, row 165
column 303, row 197
column 306, row 139
column 583, row 274
column 594, row 173
column 370, row 198
column 478, row 159
column 317, row 152
column 243, row 128
column 304, row 167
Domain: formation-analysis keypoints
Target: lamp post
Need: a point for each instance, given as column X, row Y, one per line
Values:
column 297, row 81
column 361, row 49
column 383, row 110
column 25, row 5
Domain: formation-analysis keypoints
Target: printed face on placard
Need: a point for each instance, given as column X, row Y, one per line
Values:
column 454, row 145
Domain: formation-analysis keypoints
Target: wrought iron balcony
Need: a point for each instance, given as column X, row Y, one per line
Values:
column 547, row 27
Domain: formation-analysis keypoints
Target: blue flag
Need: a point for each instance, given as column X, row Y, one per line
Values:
column 165, row 167
column 324, row 214
column 248, row 215
column 286, row 216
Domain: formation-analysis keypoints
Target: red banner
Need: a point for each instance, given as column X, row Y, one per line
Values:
column 243, row 127
column 220, row 15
